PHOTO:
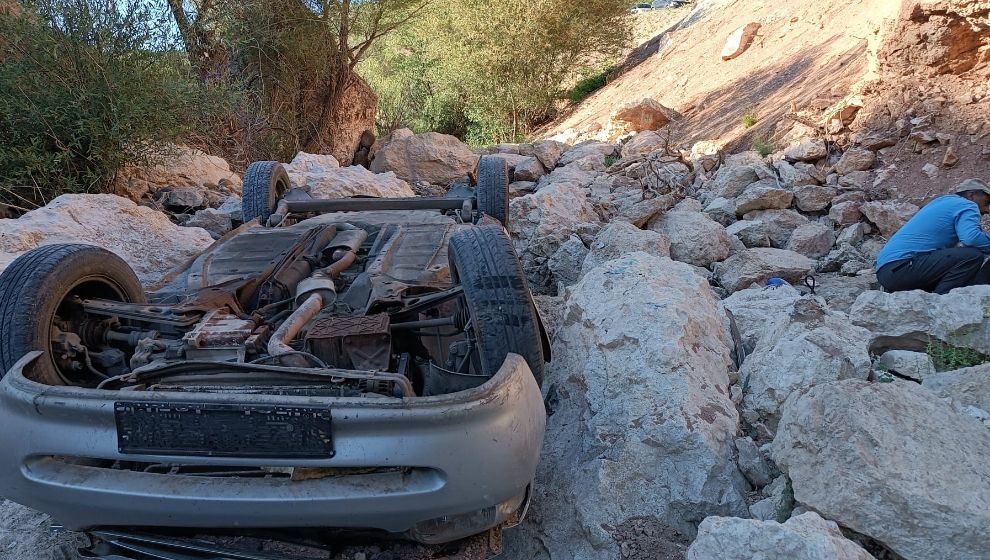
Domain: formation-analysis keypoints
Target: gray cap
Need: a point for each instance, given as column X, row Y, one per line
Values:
column 973, row 185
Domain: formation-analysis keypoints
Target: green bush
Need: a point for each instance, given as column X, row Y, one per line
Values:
column 86, row 87
column 588, row 85
column 948, row 357
column 750, row 119
column 762, row 146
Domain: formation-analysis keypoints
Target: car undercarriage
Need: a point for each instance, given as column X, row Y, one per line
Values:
column 357, row 363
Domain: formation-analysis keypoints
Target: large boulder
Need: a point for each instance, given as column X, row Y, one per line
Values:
column 309, row 163
column 549, row 152
column 694, row 237
column 565, row 265
column 807, row 346
column 542, row 221
column 763, row 195
column 179, row 167
column 805, row 537
column 351, row 181
column 143, row 237
column 571, row 175
column 779, row 224
column 731, row 180
column 813, row 240
column 755, row 308
column 620, row 238
column 798, row 175
column 639, row 116
column 722, row 210
column 752, row 233
column 585, row 150
column 891, row 461
column 814, row 198
column 809, row 149
column 642, row 144
column 855, row 159
column 912, row 320
column 761, row 264
column 529, row 169
column 970, row 386
column 430, row 157
column 643, row 427
column 905, row 363
column 888, row 216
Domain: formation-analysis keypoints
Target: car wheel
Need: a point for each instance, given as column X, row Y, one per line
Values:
column 492, row 192
column 41, row 289
column 264, row 183
column 496, row 298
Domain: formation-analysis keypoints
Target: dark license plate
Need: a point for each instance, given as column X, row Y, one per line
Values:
column 216, row 430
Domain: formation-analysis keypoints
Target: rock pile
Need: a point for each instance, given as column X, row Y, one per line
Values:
column 649, row 364
column 809, row 209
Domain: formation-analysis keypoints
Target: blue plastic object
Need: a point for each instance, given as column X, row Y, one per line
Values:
column 776, row 282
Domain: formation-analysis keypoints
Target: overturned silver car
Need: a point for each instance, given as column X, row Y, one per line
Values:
column 366, row 364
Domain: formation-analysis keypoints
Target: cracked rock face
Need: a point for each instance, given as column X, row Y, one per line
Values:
column 910, row 320
column 807, row 346
column 892, row 461
column 643, row 426
column 541, row 222
column 805, row 537
column 143, row 237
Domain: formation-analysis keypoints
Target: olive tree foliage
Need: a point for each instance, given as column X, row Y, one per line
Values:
column 86, row 88
column 492, row 70
column 293, row 61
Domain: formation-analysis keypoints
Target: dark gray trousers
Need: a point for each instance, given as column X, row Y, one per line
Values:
column 938, row 271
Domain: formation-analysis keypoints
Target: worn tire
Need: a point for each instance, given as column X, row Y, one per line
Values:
column 35, row 284
column 264, row 183
column 483, row 261
column 492, row 192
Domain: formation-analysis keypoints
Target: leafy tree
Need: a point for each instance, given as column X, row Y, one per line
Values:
column 86, row 87
column 509, row 63
column 293, row 59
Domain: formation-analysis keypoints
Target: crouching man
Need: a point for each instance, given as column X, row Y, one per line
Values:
column 925, row 253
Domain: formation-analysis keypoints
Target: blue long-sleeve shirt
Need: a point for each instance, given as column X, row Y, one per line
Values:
column 942, row 223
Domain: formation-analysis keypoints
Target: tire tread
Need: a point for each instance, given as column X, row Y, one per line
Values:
column 498, row 294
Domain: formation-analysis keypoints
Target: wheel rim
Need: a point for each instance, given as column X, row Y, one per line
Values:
column 278, row 189
column 68, row 325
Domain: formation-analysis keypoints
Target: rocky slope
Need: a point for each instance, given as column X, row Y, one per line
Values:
column 842, row 69
column 708, row 399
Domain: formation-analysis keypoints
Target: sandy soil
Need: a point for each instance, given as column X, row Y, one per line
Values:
column 809, row 53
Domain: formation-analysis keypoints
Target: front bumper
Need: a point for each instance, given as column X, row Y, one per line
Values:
column 461, row 453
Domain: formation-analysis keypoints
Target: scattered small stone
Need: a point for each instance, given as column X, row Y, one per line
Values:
column 950, row 159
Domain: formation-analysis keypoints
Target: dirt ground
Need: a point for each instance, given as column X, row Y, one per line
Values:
column 26, row 535
column 807, row 52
